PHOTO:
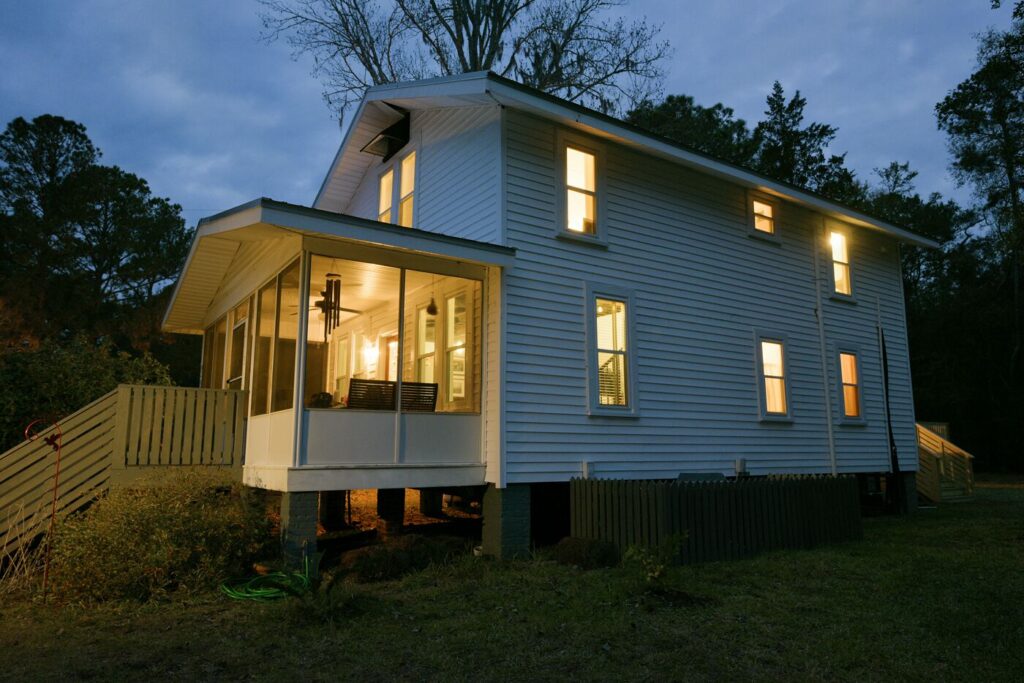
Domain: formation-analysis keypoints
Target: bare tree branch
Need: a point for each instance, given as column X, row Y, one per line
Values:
column 570, row 49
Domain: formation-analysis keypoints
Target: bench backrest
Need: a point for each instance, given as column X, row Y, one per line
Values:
column 378, row 394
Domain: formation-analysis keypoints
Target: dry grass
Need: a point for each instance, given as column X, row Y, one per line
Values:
column 930, row 598
column 21, row 565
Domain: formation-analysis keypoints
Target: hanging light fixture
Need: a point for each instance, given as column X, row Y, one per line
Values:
column 432, row 306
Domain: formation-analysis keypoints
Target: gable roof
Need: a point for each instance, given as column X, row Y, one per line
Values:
column 384, row 104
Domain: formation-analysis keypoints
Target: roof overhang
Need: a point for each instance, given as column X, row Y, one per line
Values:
column 483, row 88
column 218, row 238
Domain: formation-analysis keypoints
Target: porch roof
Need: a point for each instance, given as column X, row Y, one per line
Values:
column 218, row 238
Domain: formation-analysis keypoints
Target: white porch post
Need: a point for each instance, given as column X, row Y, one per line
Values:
column 300, row 356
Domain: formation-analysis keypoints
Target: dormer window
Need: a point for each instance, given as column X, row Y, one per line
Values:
column 387, row 189
column 581, row 191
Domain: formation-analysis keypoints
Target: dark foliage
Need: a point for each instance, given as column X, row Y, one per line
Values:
column 585, row 553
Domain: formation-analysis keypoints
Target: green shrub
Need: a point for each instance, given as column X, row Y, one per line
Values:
column 400, row 556
column 652, row 563
column 59, row 377
column 189, row 533
column 586, row 553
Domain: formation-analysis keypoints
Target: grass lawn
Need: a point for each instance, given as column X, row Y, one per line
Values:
column 939, row 596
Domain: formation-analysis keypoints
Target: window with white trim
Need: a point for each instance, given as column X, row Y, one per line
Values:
column 849, row 378
column 763, row 216
column 385, row 196
column 580, row 191
column 771, row 356
column 841, row 280
column 456, row 327
column 407, row 186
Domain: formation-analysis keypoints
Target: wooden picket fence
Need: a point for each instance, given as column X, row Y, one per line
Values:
column 128, row 437
column 721, row 520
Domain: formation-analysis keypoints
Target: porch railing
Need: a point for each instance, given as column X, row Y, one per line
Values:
column 945, row 470
column 122, row 438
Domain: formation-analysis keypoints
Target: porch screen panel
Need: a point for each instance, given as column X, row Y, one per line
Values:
column 352, row 334
column 283, row 387
column 263, row 343
column 443, row 315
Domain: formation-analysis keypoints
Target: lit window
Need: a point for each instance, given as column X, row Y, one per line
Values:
column 581, row 191
column 455, row 342
column 407, row 184
column 841, row 264
column 611, row 353
column 764, row 217
column 426, row 331
column 850, row 378
column 387, row 186
column 773, row 378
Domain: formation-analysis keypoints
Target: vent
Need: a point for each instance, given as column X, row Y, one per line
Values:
column 387, row 142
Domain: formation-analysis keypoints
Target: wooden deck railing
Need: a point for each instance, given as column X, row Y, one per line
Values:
column 121, row 438
column 942, row 464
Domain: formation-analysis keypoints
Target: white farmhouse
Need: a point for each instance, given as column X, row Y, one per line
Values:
column 497, row 287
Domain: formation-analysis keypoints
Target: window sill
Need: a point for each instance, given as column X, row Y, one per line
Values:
column 603, row 411
column 583, row 238
column 853, row 422
column 776, row 419
column 843, row 298
column 765, row 237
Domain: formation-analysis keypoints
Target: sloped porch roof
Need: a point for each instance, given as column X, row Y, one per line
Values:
column 218, row 238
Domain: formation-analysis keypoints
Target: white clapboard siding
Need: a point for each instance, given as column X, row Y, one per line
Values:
column 702, row 287
column 458, row 168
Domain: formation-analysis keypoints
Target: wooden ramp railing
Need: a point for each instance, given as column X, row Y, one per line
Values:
column 122, row 438
column 945, row 471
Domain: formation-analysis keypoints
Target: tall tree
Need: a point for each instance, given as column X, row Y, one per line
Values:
column 570, row 48
column 84, row 248
column 983, row 119
column 713, row 130
column 798, row 154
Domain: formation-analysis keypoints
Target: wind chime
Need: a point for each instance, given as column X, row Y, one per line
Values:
column 330, row 304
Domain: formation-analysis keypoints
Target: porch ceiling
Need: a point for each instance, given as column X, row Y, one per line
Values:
column 218, row 239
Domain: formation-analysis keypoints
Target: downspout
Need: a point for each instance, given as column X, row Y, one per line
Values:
column 299, row 385
column 820, row 315
column 894, row 491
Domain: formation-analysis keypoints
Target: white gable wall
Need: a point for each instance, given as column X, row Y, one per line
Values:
column 458, row 168
column 702, row 287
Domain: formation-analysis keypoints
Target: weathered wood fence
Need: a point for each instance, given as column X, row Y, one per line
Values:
column 721, row 520
column 123, row 438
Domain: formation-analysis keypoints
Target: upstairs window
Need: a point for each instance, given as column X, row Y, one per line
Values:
column 387, row 189
column 774, row 390
column 840, row 264
column 764, row 217
column 850, row 380
column 407, row 185
column 581, row 191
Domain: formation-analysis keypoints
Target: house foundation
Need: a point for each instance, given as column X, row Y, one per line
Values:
column 506, row 532
column 390, row 511
column 431, row 502
column 298, row 526
column 333, row 510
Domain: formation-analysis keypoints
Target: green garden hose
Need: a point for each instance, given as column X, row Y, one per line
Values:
column 267, row 587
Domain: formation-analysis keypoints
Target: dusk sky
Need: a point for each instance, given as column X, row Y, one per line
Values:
column 188, row 96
